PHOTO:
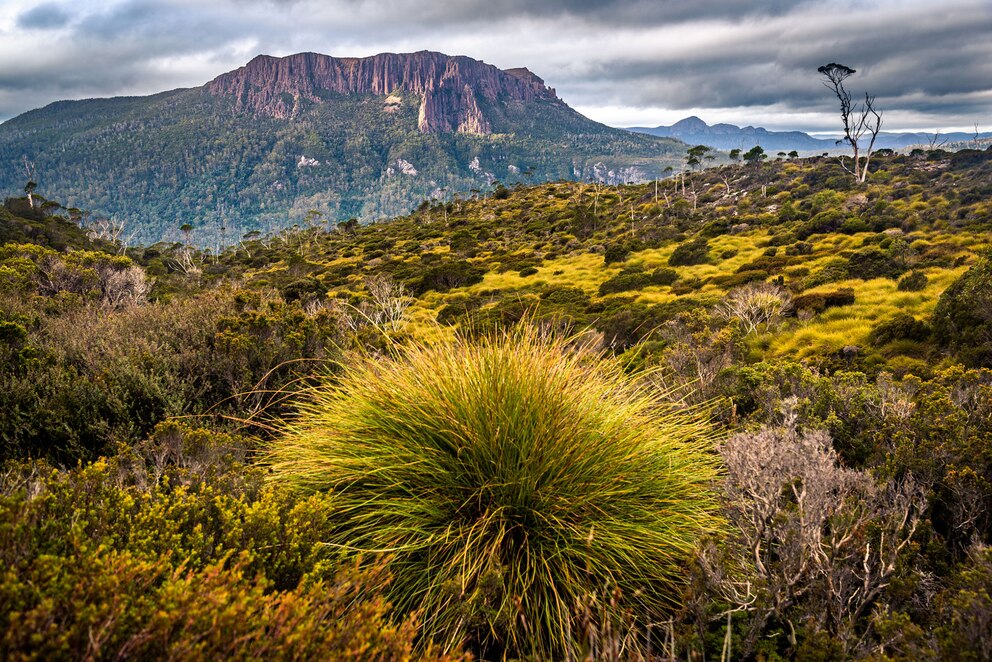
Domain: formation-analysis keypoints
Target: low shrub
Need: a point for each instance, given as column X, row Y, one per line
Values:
column 901, row 327
column 963, row 316
column 616, row 253
column 449, row 275
column 509, row 481
column 914, row 281
column 527, row 271
column 873, row 263
column 820, row 301
column 690, row 253
column 634, row 279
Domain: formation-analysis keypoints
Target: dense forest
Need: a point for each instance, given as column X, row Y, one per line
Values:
column 744, row 413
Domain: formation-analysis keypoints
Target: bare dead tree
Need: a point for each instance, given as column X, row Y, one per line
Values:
column 934, row 142
column 31, row 185
column 389, row 302
column 814, row 543
column 860, row 120
column 122, row 288
column 756, row 306
column 106, row 229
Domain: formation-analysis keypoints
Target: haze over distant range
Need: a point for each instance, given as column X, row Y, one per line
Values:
column 624, row 63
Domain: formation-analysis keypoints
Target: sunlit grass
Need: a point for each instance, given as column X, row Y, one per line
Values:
column 508, row 481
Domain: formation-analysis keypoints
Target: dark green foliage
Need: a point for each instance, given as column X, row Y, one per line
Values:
column 616, row 253
column 636, row 279
column 963, row 317
column 820, row 301
column 914, row 281
column 447, row 275
column 874, row 263
column 304, row 289
column 690, row 253
column 572, row 297
column 21, row 224
column 755, row 155
column 501, row 193
column 900, row 327
column 799, row 248
column 527, row 271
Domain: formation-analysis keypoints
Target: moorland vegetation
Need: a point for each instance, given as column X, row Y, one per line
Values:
column 325, row 442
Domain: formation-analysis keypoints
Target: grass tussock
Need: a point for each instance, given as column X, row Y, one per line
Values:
column 510, row 481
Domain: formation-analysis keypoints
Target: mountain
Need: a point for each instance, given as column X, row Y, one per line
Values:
column 259, row 147
column 695, row 131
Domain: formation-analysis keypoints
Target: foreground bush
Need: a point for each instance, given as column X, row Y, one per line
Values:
column 174, row 549
column 963, row 316
column 512, row 483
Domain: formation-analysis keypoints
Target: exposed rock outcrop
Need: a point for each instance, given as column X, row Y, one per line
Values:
column 454, row 91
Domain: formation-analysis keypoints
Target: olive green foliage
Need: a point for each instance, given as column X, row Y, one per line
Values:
column 963, row 317
column 509, row 480
column 636, row 279
column 914, row 281
column 176, row 549
column 79, row 377
column 693, row 252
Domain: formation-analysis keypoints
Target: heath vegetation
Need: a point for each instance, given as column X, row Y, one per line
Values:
column 741, row 414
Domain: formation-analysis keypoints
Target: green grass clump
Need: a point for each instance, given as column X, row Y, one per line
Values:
column 512, row 482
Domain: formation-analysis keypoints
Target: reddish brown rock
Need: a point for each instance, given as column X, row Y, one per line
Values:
column 450, row 88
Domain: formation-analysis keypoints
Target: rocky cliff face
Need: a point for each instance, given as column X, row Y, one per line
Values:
column 453, row 90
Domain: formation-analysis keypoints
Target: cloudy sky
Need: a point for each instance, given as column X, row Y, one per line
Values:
column 622, row 62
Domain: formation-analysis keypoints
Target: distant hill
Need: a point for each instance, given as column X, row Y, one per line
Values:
column 259, row 147
column 695, row 131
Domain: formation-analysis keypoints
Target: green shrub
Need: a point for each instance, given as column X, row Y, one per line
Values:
column 914, row 281
column 664, row 276
column 873, row 263
column 690, row 253
column 900, row 327
column 175, row 549
column 509, row 481
column 963, row 316
column 449, row 275
column 820, row 301
column 616, row 253
column 565, row 296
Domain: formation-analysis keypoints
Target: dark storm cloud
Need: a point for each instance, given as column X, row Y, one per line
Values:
column 44, row 17
column 931, row 63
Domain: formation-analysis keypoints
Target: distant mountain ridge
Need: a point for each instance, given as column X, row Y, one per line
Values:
column 695, row 131
column 259, row 147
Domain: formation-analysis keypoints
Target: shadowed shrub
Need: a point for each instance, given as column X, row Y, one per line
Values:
column 510, row 481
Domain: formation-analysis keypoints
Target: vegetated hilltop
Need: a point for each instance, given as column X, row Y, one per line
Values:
column 257, row 148
column 840, row 334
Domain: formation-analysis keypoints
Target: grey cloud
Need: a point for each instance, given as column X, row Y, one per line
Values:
column 44, row 17
column 931, row 62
